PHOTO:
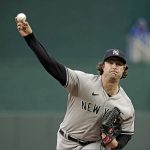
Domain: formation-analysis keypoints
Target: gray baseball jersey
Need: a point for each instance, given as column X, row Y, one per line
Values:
column 87, row 102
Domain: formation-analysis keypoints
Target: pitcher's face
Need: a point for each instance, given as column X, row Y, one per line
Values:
column 113, row 68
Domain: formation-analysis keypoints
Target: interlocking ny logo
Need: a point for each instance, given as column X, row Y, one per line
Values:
column 115, row 52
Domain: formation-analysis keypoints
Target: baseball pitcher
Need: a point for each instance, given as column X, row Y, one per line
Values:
column 99, row 113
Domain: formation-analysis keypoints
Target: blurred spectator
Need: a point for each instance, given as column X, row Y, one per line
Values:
column 139, row 42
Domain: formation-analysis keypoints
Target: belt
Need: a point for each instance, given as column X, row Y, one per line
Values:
column 81, row 142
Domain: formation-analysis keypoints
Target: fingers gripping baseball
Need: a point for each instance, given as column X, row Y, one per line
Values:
column 23, row 27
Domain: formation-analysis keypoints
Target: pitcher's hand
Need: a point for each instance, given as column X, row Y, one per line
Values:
column 113, row 144
column 23, row 28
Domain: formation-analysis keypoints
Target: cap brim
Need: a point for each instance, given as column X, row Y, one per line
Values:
column 122, row 59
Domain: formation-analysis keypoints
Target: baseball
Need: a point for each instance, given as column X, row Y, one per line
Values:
column 21, row 17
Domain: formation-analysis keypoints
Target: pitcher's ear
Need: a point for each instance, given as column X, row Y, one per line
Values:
column 125, row 73
column 126, row 67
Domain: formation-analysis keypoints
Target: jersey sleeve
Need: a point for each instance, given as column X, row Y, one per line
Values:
column 128, row 125
column 72, row 83
column 127, row 113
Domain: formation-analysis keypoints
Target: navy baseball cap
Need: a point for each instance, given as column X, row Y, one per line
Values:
column 114, row 53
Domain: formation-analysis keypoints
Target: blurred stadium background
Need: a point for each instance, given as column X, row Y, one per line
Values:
column 32, row 103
